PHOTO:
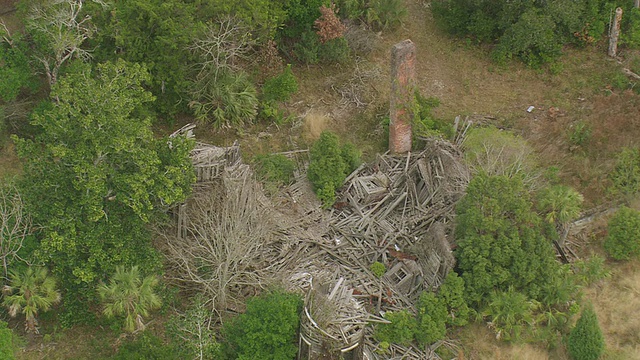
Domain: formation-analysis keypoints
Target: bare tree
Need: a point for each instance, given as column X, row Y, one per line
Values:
column 225, row 231
column 224, row 46
column 64, row 28
column 15, row 224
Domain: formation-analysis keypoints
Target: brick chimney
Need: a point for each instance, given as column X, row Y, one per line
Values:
column 403, row 83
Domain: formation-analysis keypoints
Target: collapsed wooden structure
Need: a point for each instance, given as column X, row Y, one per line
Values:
column 396, row 210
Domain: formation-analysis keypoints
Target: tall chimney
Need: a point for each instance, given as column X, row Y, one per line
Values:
column 403, row 83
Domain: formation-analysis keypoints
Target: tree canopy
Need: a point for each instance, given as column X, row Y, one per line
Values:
column 502, row 242
column 95, row 173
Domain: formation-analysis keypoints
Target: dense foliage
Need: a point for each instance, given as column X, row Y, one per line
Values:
column 95, row 175
column 267, row 330
column 431, row 319
column 451, row 293
column 502, row 242
column 626, row 173
column 585, row 340
column 401, row 330
column 623, row 238
column 533, row 31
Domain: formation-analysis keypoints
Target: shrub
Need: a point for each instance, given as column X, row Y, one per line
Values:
column 281, row 87
column 378, row 269
column 385, row 14
column 623, row 239
column 328, row 26
column 559, row 204
column 6, row 342
column 227, row 100
column 267, row 330
column 425, row 123
column 146, row 346
column 626, row 173
column 431, row 319
column 275, row 170
column 591, row 270
column 585, row 340
column 511, row 313
column 328, row 167
column 580, row 134
column 451, row 294
column 401, row 330
column 306, row 50
column 334, row 51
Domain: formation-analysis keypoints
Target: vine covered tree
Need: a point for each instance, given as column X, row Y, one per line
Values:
column 29, row 292
column 131, row 295
column 95, row 175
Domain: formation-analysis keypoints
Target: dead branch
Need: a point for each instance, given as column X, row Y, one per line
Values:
column 15, row 225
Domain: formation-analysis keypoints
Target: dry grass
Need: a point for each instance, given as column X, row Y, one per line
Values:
column 617, row 303
column 479, row 343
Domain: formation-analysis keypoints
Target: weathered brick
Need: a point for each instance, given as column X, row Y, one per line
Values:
column 403, row 65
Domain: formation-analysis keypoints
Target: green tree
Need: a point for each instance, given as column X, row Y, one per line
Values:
column 623, row 238
column 431, row 319
column 155, row 33
column 29, row 292
column 15, row 72
column 130, row 294
column 267, row 330
column 501, row 240
column 96, row 175
column 451, row 294
column 585, row 340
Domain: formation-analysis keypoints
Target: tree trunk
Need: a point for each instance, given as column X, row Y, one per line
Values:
column 615, row 33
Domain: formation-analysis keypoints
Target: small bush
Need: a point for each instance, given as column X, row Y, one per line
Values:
column 591, row 270
column 451, row 294
column 229, row 100
column 400, row 331
column 585, row 340
column 623, row 239
column 6, row 342
column 626, row 174
column 424, row 123
column 511, row 314
column 306, row 50
column 432, row 317
column 580, row 134
column 267, row 330
column 274, row 170
column 281, row 87
column 329, row 166
column 334, row 51
column 385, row 14
column 378, row 269
column 146, row 346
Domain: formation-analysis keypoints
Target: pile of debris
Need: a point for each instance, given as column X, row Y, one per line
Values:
column 396, row 210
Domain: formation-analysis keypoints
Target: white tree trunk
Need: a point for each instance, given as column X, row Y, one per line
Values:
column 615, row 33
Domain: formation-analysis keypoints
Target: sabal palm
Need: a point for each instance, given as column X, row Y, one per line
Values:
column 131, row 295
column 561, row 203
column 29, row 292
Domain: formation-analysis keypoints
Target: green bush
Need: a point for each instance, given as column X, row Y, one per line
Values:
column 6, row 342
column 580, row 134
column 585, row 340
column 226, row 100
column 451, row 294
column 267, row 330
column 307, row 48
column 511, row 313
column 334, row 51
column 425, row 124
column 329, row 166
column 281, row 87
column 274, row 170
column 431, row 319
column 625, row 176
column 146, row 346
column 623, row 238
column 378, row 269
column 401, row 330
column 385, row 14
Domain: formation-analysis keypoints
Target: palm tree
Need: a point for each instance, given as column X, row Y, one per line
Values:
column 131, row 295
column 30, row 292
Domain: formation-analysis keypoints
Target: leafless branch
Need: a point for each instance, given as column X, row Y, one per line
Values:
column 15, row 224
